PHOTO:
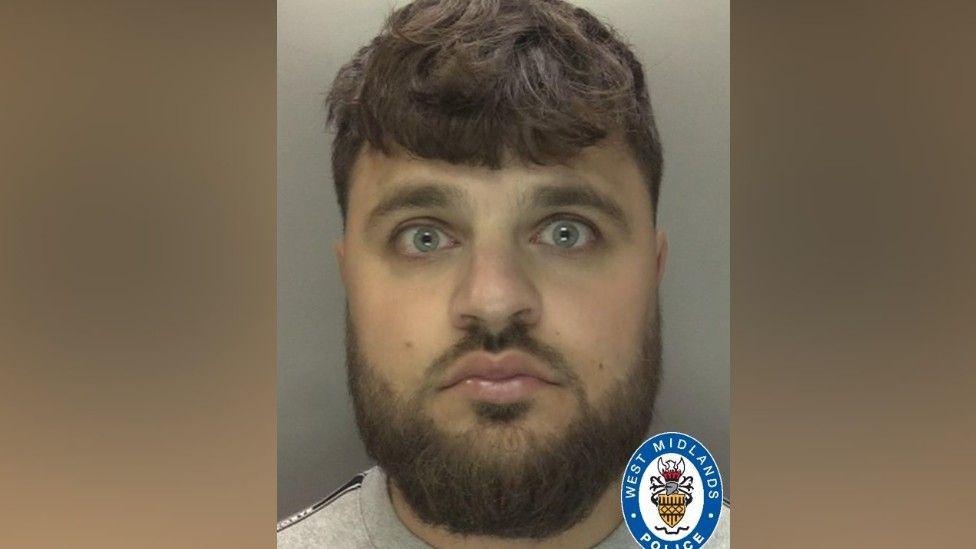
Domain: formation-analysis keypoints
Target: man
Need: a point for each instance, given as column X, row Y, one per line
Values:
column 497, row 168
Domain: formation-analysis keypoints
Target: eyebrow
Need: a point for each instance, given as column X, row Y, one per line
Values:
column 431, row 195
column 582, row 195
column 416, row 197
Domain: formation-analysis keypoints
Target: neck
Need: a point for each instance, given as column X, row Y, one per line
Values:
column 600, row 523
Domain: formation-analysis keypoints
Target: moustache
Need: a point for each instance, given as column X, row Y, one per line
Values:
column 514, row 336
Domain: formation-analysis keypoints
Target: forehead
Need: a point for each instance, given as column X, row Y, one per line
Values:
column 608, row 168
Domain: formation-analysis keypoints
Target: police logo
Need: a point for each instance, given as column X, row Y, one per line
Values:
column 671, row 493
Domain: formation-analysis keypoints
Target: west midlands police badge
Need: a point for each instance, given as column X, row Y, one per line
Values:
column 671, row 493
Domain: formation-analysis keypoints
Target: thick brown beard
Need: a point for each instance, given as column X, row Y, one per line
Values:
column 538, row 488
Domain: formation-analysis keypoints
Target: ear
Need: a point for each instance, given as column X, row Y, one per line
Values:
column 661, row 239
column 339, row 248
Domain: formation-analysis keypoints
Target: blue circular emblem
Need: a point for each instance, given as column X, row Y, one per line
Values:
column 671, row 493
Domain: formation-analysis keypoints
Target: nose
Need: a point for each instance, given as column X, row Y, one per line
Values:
column 495, row 291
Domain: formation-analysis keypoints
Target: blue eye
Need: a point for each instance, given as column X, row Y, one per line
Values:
column 566, row 234
column 420, row 239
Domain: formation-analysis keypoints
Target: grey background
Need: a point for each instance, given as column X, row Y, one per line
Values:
column 684, row 46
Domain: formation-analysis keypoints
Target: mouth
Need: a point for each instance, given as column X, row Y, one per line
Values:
column 510, row 377
column 500, row 391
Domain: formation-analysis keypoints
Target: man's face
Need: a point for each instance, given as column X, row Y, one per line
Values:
column 501, row 308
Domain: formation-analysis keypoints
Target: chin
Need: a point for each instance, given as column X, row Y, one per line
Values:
column 510, row 427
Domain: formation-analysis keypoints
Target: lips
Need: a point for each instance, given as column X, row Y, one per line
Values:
column 487, row 369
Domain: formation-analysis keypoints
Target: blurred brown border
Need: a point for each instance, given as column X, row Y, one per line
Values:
column 137, row 266
column 852, row 273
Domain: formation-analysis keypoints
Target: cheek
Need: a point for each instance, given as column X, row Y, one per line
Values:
column 400, row 327
column 599, row 323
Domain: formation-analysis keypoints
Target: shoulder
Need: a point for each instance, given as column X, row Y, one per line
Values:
column 721, row 538
column 335, row 520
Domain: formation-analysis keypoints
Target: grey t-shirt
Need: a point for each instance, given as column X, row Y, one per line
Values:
column 360, row 515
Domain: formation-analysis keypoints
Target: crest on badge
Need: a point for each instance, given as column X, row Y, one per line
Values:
column 672, row 492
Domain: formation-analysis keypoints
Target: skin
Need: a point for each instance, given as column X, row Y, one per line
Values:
column 498, row 261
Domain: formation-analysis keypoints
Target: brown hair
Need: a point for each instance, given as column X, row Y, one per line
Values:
column 469, row 81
